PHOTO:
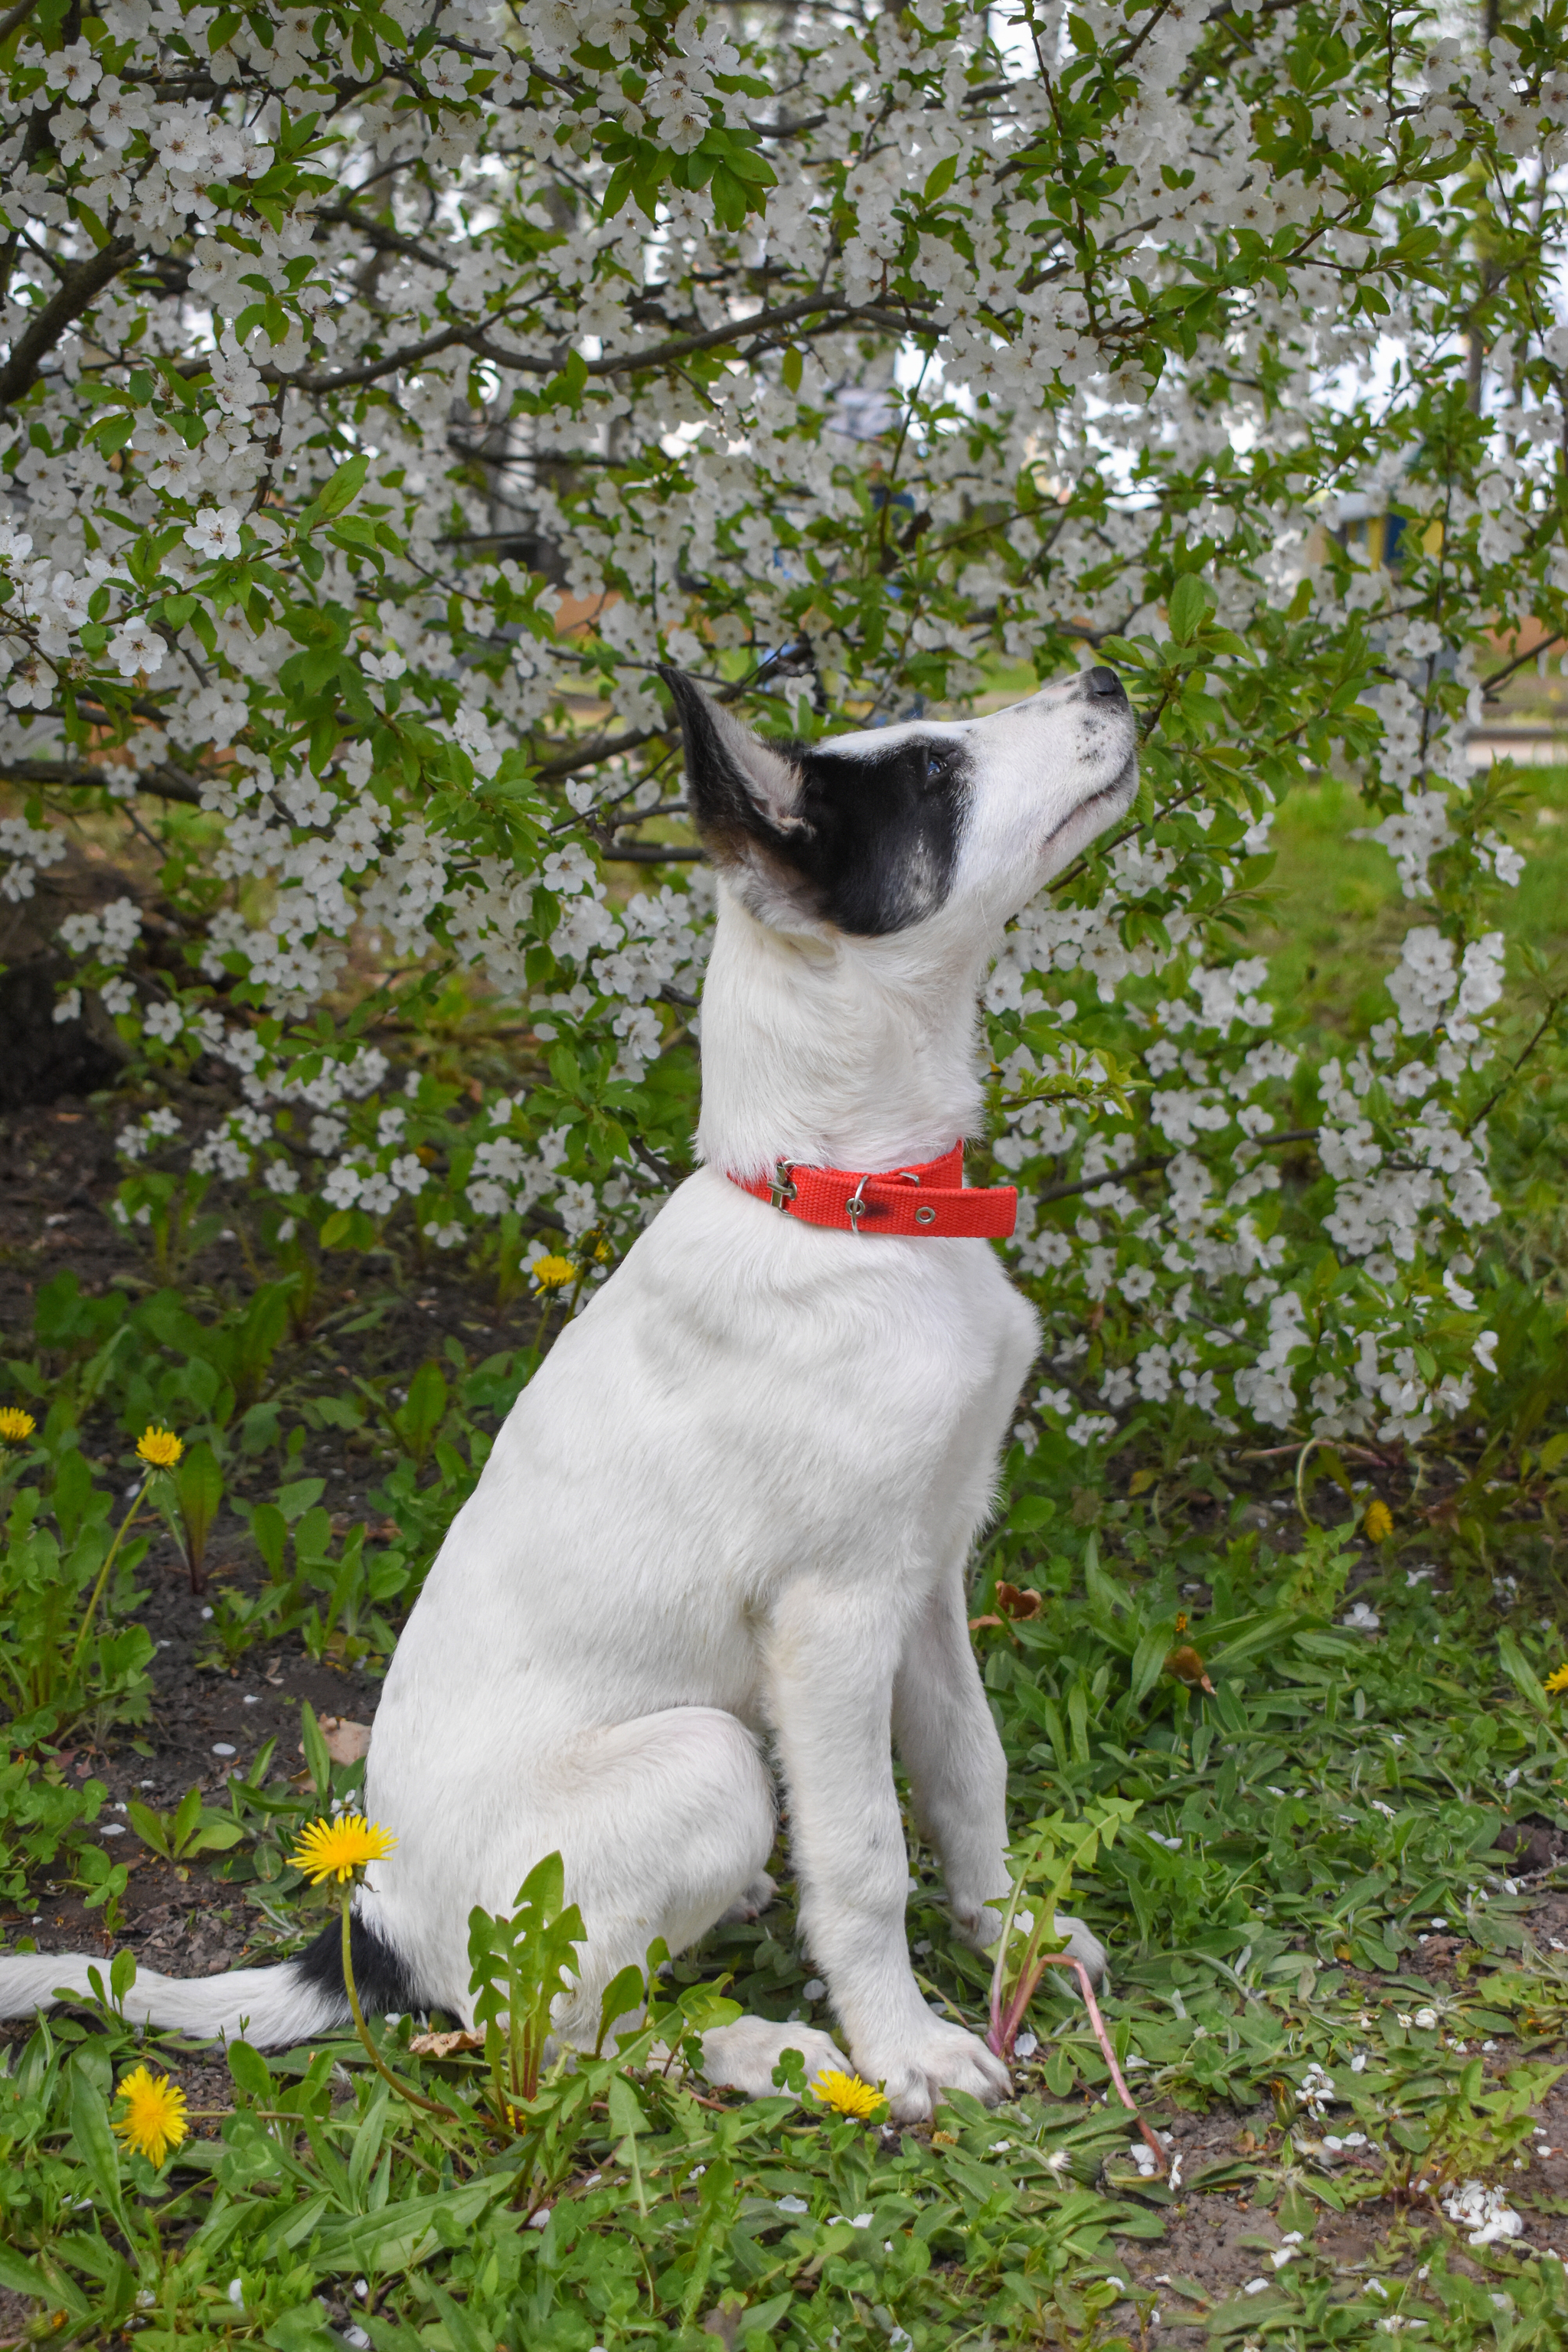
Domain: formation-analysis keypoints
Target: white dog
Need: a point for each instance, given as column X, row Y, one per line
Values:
column 723, row 1532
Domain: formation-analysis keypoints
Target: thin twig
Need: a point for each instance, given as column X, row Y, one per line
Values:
column 1553, row 1007
column 1532, row 654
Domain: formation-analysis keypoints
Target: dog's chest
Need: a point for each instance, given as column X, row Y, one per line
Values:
column 734, row 1412
column 783, row 1387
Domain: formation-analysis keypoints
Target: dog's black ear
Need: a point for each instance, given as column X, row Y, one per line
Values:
column 744, row 794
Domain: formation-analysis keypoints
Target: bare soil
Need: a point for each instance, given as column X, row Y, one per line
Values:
column 57, row 1175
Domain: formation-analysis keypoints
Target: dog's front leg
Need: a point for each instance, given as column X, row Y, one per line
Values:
column 832, row 1664
column 944, row 1731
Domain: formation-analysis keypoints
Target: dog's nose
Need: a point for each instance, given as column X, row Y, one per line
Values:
column 1103, row 685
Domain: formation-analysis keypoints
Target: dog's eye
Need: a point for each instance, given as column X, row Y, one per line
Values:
column 939, row 758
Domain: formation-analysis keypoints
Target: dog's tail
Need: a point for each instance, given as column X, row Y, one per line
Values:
column 271, row 2007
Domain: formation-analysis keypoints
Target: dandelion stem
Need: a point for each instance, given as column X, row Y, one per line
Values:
column 431, row 2106
column 111, row 1556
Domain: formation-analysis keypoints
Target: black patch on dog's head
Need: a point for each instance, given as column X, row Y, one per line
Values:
column 881, row 834
column 865, row 840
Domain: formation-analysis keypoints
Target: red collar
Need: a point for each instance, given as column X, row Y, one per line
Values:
column 930, row 1198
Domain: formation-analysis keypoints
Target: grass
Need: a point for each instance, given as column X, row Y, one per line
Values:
column 1333, row 914
column 1338, row 1910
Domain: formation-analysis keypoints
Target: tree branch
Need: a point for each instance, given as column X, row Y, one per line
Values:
column 81, row 289
column 163, row 784
column 385, row 239
column 649, row 853
column 1160, row 1159
column 832, row 315
column 14, row 16
column 567, row 763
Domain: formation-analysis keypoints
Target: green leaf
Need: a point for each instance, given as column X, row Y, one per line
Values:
column 251, row 2071
column 460, row 2330
column 941, row 178
column 95, row 2142
column 1144, row 807
column 566, row 390
column 316, row 1756
column 794, row 367
column 216, row 1834
column 401, row 2235
column 149, row 1827
column 269, row 1528
column 760, row 2325
column 423, row 1410
column 112, row 432
column 343, row 488
column 1260, row 1635
column 57, row 2292
column 1148, row 1659
column 73, row 1492
column 199, row 1486
column 303, row 2329
column 627, row 2116
column 618, row 190
column 188, row 1814
column 298, row 1496
column 1189, row 606
column 732, row 198
column 747, row 162
column 623, row 1994
column 21, row 2278
column 1030, row 1512
column 1520, row 1672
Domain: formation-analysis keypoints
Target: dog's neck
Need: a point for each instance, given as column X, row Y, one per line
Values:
column 840, row 1053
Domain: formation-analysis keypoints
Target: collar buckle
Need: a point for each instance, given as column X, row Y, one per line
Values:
column 781, row 1190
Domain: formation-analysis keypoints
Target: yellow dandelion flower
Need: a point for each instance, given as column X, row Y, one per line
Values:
column 16, row 1426
column 159, row 1448
column 338, row 1848
column 1377, row 1522
column 552, row 1273
column 846, row 2094
column 154, row 2118
column 1557, row 1681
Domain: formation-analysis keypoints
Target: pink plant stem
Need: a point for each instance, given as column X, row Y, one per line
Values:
column 1066, row 1960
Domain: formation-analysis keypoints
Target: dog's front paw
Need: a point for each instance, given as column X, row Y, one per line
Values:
column 917, row 2068
column 742, row 2056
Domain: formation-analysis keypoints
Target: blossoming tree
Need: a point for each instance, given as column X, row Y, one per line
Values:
column 388, row 389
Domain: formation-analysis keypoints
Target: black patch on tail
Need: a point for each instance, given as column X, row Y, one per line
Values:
column 382, row 1979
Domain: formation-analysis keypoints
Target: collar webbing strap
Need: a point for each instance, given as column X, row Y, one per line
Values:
column 927, row 1200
